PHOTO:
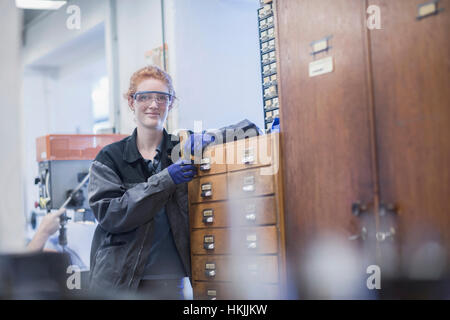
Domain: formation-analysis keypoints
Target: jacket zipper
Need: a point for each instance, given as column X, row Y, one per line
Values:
column 139, row 256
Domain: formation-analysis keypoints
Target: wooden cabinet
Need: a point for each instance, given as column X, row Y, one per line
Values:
column 237, row 231
column 366, row 146
column 411, row 81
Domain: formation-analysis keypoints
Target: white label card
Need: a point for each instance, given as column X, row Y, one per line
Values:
column 319, row 67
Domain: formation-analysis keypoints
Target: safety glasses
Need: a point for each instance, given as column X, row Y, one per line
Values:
column 145, row 98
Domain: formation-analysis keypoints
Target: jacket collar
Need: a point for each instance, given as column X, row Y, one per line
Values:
column 131, row 153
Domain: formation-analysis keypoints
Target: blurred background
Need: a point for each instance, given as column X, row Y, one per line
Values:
column 65, row 69
column 67, row 64
column 364, row 148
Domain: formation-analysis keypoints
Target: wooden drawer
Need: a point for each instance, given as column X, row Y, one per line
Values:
column 249, row 153
column 249, row 183
column 213, row 161
column 261, row 269
column 233, row 291
column 253, row 211
column 256, row 240
column 244, row 212
column 210, row 214
column 208, row 188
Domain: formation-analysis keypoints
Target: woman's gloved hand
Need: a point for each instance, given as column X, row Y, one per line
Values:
column 182, row 171
column 197, row 142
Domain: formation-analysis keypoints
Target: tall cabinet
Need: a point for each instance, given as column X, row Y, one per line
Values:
column 365, row 119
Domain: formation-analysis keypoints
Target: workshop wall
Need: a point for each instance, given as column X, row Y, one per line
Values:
column 139, row 30
column 214, row 54
column 11, row 207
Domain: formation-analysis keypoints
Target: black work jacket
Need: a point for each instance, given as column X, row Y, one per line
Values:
column 124, row 198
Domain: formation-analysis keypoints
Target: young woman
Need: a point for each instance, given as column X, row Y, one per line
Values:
column 139, row 198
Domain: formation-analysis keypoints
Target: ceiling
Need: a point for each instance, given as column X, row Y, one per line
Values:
column 30, row 15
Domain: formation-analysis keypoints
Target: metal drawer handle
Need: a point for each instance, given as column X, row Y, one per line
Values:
column 383, row 236
column 361, row 236
column 250, row 217
column 248, row 188
column 211, row 273
column 251, row 245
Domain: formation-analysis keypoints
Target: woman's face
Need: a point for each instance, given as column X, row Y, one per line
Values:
column 150, row 114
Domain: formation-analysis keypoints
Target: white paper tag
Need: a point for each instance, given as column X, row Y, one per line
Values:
column 320, row 67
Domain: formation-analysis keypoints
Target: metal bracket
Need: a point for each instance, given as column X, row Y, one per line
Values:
column 428, row 9
column 321, row 45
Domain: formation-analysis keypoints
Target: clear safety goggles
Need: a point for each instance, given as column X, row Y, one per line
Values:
column 145, row 98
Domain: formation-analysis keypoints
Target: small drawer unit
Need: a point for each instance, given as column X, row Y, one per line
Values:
column 249, row 183
column 256, row 240
column 228, row 291
column 213, row 161
column 261, row 269
column 249, row 153
column 267, row 40
column 237, row 223
column 209, row 188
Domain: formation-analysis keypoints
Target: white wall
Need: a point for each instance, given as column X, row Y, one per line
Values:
column 139, row 29
column 11, row 207
column 214, row 54
column 213, row 57
column 51, row 32
column 57, row 96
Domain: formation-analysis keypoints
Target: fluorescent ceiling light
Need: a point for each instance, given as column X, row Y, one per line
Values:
column 39, row 4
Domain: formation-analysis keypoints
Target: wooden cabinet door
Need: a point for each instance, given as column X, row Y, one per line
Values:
column 327, row 127
column 411, row 81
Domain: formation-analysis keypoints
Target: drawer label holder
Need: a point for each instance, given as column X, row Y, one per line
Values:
column 210, row 269
column 206, row 190
column 208, row 216
column 208, row 242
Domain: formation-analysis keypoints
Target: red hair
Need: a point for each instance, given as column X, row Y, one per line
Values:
column 148, row 72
